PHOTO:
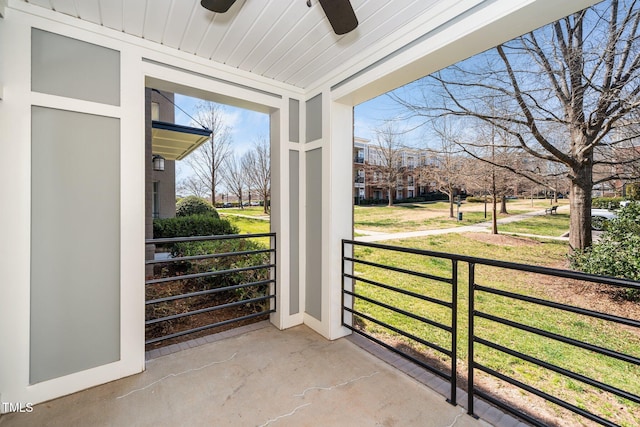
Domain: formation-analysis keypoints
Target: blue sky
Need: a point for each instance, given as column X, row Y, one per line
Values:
column 246, row 125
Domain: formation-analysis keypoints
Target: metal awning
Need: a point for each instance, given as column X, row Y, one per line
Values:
column 175, row 142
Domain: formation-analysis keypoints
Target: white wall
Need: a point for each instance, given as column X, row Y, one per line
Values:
column 141, row 64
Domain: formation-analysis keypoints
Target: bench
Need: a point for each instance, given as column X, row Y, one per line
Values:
column 552, row 210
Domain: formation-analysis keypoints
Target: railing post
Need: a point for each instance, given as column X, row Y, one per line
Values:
column 470, row 355
column 454, row 332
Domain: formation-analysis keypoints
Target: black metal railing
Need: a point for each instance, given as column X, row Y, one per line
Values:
column 358, row 159
column 204, row 282
column 351, row 290
column 580, row 347
column 494, row 335
column 359, row 179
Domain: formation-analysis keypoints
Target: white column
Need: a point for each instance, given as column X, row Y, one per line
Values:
column 337, row 212
column 336, row 144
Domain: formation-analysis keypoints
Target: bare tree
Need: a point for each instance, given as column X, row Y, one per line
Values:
column 385, row 157
column 257, row 165
column 446, row 170
column 209, row 159
column 193, row 185
column 234, row 177
column 563, row 92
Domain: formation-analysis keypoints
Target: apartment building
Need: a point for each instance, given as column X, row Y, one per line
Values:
column 370, row 172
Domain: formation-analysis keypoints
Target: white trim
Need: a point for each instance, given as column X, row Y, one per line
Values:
column 70, row 104
column 152, row 49
column 15, row 223
column 453, row 38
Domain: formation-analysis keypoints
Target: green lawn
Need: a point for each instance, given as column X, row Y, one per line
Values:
column 248, row 210
column 249, row 226
column 433, row 215
column 597, row 332
column 547, row 225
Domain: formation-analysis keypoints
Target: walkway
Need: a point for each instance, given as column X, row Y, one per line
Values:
column 482, row 227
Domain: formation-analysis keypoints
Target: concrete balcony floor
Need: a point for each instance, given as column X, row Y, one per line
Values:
column 259, row 376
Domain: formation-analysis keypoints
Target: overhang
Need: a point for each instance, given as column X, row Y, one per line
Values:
column 175, row 142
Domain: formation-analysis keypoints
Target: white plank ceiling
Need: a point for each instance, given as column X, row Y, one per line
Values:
column 284, row 40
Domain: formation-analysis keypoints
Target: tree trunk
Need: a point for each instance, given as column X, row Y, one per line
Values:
column 213, row 187
column 494, row 216
column 580, row 206
column 503, row 205
column 390, row 197
column 450, row 204
column 265, row 205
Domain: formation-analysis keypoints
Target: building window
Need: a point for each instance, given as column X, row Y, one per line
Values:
column 155, row 200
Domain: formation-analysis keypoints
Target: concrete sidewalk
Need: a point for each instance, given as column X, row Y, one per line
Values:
column 482, row 227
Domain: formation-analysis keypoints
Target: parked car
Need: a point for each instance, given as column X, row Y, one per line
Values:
column 599, row 218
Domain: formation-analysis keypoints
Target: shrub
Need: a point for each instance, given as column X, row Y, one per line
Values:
column 618, row 251
column 606, row 202
column 633, row 191
column 478, row 199
column 194, row 225
column 193, row 205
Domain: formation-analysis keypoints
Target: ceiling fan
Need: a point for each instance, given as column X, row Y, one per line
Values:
column 339, row 12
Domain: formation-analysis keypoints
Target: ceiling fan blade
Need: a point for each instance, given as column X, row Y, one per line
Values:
column 218, row 6
column 340, row 15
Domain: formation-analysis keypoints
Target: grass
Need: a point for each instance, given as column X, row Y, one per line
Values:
column 597, row 332
column 547, row 225
column 433, row 215
column 250, row 226
column 257, row 211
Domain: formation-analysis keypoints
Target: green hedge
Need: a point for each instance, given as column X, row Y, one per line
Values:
column 617, row 253
column 194, row 225
column 193, row 205
column 606, row 202
column 426, row 198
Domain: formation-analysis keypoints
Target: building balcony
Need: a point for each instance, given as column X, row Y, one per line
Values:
column 244, row 377
column 358, row 159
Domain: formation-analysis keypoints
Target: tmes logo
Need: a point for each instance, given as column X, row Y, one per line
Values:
column 16, row 407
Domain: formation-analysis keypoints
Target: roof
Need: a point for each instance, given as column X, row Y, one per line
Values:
column 175, row 142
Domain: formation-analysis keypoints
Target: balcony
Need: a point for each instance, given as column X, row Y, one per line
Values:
column 358, row 159
column 362, row 379
column 259, row 376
